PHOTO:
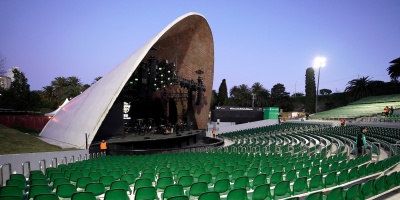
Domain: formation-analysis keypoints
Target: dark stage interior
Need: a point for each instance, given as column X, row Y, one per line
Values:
column 155, row 110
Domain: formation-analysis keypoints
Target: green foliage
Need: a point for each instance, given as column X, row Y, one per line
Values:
column 261, row 95
column 222, row 93
column 325, row 91
column 280, row 98
column 359, row 88
column 241, row 95
column 310, row 91
column 18, row 96
column 394, row 69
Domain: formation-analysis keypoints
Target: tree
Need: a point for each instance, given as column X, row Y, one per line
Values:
column 394, row 69
column 261, row 94
column 310, row 91
column 96, row 79
column 241, row 95
column 19, row 92
column 358, row 88
column 280, row 97
column 213, row 99
column 325, row 91
column 222, row 93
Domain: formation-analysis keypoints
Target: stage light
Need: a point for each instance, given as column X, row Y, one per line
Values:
column 136, row 79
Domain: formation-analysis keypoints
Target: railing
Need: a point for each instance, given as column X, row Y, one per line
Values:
column 64, row 160
column 42, row 166
column 23, row 168
column 54, row 164
column 2, row 173
column 378, row 145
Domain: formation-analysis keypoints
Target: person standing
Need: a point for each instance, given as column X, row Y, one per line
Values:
column 214, row 133
column 387, row 111
column 103, row 147
column 342, row 122
column 361, row 141
column 391, row 111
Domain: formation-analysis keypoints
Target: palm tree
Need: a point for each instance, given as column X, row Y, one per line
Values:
column 241, row 95
column 261, row 93
column 359, row 88
column 394, row 69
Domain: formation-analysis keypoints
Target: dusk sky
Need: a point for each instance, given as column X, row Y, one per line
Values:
column 255, row 41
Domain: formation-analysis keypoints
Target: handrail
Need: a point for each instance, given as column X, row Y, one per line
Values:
column 23, row 167
column 2, row 173
column 52, row 162
column 64, row 160
column 379, row 149
column 72, row 159
column 42, row 167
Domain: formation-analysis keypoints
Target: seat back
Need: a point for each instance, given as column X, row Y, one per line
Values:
column 65, row 190
column 113, row 194
column 146, row 193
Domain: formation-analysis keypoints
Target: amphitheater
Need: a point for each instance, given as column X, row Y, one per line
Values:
column 311, row 159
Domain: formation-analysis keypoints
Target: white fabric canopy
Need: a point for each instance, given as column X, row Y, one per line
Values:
column 58, row 109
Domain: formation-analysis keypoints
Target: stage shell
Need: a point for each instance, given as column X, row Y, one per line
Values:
column 187, row 41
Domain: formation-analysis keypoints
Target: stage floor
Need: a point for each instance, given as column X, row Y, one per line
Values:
column 149, row 137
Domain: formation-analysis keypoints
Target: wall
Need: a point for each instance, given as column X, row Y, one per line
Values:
column 16, row 160
column 26, row 121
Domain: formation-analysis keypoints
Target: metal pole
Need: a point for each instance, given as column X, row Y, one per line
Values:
column 316, row 94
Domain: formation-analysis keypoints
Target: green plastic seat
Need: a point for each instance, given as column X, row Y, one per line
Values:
column 196, row 189
column 353, row 174
column 237, row 194
column 205, row 178
column 172, row 190
column 10, row 198
column 107, row 180
column 164, row 182
column 315, row 196
column 65, row 190
column 20, row 177
column 221, row 175
column 38, row 189
column 242, row 182
column 46, row 197
column 186, row 181
column 146, row 193
column 11, row 191
column 259, row 180
column 182, row 197
column 130, row 178
column 300, row 186
column 354, row 192
column 60, row 181
column 222, row 186
column 343, row 177
column 209, row 196
column 325, row 168
column 113, row 194
column 391, row 180
column 38, row 182
column 335, row 194
column 116, row 174
column 362, row 171
column 379, row 184
column 367, row 189
column 304, row 172
column 15, row 182
column 316, row 183
column 331, row 180
column 142, row 182
column 82, row 182
column 236, row 174
column 282, row 190
column 261, row 192
column 97, row 188
column 95, row 176
column 276, row 177
column 291, row 175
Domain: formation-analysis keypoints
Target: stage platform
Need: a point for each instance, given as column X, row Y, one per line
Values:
column 154, row 143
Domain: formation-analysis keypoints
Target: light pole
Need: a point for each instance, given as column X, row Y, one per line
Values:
column 318, row 63
column 253, row 97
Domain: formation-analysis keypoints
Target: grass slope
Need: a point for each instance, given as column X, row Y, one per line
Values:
column 14, row 142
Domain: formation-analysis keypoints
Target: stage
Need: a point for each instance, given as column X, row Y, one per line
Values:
column 154, row 143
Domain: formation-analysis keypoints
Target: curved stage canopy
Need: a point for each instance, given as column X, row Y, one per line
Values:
column 187, row 42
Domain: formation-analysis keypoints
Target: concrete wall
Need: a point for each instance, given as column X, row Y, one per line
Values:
column 16, row 161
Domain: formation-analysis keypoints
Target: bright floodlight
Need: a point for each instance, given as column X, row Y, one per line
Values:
column 319, row 62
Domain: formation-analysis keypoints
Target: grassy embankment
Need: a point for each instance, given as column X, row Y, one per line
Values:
column 13, row 141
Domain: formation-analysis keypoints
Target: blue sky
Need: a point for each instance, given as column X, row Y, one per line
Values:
column 255, row 41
